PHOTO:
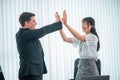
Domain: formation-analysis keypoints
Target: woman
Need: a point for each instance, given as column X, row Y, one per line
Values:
column 88, row 45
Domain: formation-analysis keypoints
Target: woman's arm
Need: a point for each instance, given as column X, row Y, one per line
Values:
column 74, row 33
column 64, row 37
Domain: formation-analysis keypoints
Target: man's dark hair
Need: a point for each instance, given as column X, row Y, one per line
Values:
column 25, row 16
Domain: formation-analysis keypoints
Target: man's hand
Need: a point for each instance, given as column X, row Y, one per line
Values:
column 57, row 16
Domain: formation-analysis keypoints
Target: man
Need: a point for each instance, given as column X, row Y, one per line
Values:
column 1, row 74
column 32, row 65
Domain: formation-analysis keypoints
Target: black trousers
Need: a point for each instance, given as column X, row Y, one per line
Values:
column 32, row 77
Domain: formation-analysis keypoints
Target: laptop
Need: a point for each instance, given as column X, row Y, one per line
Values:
column 103, row 77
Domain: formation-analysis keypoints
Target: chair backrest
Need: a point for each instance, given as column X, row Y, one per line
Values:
column 98, row 63
column 76, row 66
column 103, row 77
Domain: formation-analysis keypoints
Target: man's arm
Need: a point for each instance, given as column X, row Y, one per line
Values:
column 38, row 33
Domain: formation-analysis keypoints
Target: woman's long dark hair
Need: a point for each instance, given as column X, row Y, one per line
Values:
column 91, row 21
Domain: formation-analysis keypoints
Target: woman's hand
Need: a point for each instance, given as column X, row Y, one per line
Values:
column 64, row 19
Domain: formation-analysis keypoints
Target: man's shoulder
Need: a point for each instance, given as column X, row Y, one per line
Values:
column 21, row 30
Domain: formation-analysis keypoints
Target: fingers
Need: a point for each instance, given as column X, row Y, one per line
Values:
column 64, row 14
column 57, row 15
column 64, row 11
column 64, row 19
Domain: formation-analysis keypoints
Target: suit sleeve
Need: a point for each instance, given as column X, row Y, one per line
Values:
column 38, row 33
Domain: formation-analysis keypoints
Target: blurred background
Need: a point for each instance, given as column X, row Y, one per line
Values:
column 60, row 56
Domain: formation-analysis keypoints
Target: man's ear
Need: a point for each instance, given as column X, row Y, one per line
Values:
column 26, row 22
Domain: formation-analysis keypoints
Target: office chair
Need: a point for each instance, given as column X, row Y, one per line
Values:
column 1, row 74
column 98, row 63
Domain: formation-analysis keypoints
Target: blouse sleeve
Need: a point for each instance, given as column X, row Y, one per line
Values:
column 91, row 40
column 75, row 41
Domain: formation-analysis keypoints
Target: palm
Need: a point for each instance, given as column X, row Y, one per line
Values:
column 64, row 19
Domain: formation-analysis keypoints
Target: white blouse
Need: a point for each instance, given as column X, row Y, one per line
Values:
column 87, row 49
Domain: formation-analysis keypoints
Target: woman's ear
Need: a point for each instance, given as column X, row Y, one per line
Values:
column 90, row 26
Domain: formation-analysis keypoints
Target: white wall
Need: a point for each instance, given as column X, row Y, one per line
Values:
column 60, row 56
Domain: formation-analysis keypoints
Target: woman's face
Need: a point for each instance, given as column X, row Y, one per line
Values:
column 86, row 28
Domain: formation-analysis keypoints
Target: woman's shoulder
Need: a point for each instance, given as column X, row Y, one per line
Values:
column 91, row 36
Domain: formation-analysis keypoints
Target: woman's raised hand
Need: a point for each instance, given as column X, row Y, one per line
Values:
column 64, row 19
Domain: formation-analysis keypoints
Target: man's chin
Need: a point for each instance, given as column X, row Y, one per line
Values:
column 32, row 28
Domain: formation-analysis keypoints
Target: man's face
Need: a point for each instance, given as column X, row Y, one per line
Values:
column 31, row 24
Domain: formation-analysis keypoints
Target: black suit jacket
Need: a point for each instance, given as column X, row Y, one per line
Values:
column 1, row 74
column 30, row 49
